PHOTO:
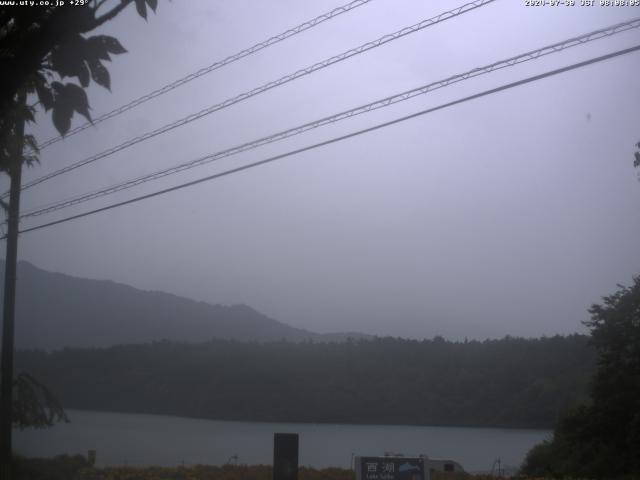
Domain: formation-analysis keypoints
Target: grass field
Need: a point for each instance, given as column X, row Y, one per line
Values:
column 77, row 468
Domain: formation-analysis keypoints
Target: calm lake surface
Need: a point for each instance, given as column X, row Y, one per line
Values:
column 132, row 439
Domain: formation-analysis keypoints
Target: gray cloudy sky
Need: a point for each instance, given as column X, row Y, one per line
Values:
column 505, row 215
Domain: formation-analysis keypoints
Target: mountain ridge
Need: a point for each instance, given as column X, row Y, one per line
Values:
column 78, row 312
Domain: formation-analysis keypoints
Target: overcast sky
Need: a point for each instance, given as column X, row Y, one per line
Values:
column 507, row 215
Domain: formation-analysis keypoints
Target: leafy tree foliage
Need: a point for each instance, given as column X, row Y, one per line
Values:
column 34, row 404
column 41, row 47
column 602, row 439
column 510, row 382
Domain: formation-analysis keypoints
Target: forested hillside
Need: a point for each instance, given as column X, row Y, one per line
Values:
column 510, row 382
column 54, row 311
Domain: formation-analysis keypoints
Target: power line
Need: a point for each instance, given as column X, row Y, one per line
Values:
column 268, row 86
column 531, row 55
column 341, row 138
column 214, row 66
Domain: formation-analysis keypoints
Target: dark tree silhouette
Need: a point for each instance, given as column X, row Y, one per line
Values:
column 40, row 46
column 602, row 439
column 38, row 41
column 34, row 404
column 510, row 382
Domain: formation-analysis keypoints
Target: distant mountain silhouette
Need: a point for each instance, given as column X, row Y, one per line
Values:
column 54, row 310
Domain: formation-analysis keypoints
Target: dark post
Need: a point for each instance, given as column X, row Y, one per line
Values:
column 91, row 457
column 285, row 456
column 8, row 312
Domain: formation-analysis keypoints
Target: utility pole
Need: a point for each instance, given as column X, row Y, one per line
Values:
column 14, row 169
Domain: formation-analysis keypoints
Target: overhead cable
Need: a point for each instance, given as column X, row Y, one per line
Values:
column 214, row 66
column 509, row 62
column 268, row 86
column 338, row 139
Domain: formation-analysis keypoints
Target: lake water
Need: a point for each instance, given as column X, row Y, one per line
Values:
column 132, row 439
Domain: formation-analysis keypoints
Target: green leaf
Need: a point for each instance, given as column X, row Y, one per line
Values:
column 30, row 160
column 141, row 7
column 61, row 117
column 97, row 49
column 67, row 58
column 32, row 157
column 100, row 74
column 44, row 95
column 111, row 44
column 67, row 99
column 77, row 97
column 66, row 63
column 83, row 74
column 30, row 141
column 28, row 113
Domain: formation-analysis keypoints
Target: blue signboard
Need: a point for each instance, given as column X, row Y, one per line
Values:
column 390, row 468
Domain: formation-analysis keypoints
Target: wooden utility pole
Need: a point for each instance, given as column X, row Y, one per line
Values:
column 8, row 313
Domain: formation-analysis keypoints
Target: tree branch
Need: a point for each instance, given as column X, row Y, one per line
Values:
column 99, row 3
column 109, row 15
